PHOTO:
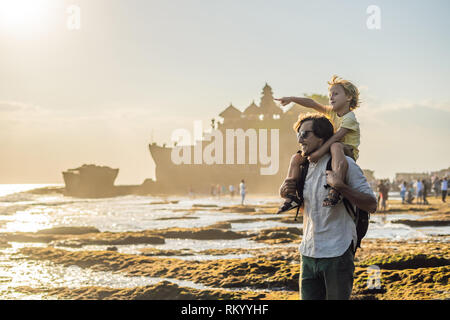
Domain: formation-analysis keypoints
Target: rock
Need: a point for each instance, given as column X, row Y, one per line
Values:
column 4, row 244
column 112, row 248
column 423, row 223
column 406, row 261
column 163, row 290
column 149, row 252
column 198, row 205
column 134, row 239
column 239, row 209
column 221, row 225
column 77, row 240
column 200, row 234
column 67, row 243
column 278, row 235
column 178, row 218
column 29, row 237
column 68, row 230
column 46, row 190
column 159, row 202
column 226, row 273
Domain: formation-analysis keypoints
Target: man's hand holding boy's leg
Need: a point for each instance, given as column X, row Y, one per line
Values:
column 289, row 186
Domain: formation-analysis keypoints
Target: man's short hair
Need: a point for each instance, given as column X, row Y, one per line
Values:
column 321, row 127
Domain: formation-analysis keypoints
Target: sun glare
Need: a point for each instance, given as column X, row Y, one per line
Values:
column 23, row 16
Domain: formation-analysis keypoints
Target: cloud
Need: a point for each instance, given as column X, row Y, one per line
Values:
column 14, row 106
column 380, row 112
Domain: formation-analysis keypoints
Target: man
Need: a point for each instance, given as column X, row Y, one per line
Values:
column 444, row 188
column 425, row 191
column 243, row 191
column 437, row 186
column 419, row 193
column 329, row 233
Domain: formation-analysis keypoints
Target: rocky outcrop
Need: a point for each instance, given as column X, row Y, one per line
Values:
column 278, row 235
column 423, row 222
column 77, row 237
column 69, row 230
column 407, row 270
column 163, row 290
column 413, row 269
column 223, row 273
column 200, row 233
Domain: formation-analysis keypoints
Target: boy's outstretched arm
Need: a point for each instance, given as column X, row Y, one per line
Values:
column 306, row 102
column 316, row 155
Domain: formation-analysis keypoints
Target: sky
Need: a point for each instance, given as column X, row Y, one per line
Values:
column 100, row 88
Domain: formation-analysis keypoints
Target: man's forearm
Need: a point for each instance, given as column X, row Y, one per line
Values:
column 362, row 200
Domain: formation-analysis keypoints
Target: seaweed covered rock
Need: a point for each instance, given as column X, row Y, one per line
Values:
column 405, row 261
column 278, row 235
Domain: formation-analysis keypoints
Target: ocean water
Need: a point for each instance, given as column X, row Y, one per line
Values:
column 22, row 211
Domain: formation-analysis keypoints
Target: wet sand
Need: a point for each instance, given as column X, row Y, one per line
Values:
column 414, row 269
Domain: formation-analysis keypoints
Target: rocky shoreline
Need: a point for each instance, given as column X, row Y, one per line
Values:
column 416, row 269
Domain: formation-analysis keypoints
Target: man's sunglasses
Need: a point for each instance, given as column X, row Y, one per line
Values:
column 302, row 135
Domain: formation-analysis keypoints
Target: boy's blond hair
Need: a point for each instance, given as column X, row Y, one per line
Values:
column 349, row 88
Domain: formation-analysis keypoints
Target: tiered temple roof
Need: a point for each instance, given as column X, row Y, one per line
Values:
column 268, row 108
column 268, row 105
column 252, row 109
column 231, row 112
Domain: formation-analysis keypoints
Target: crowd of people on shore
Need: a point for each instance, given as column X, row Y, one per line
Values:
column 412, row 192
column 219, row 190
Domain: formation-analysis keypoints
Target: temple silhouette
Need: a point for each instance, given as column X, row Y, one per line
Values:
column 173, row 178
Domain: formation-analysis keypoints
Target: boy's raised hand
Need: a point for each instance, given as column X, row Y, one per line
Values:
column 284, row 101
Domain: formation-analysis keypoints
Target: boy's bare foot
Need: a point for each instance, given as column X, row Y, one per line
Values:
column 292, row 202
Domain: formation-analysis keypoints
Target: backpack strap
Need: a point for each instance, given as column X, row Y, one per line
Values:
column 301, row 182
column 349, row 207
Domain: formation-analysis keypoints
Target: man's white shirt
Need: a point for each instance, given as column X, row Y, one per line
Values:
column 328, row 231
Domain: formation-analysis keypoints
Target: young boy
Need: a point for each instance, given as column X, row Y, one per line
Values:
column 344, row 98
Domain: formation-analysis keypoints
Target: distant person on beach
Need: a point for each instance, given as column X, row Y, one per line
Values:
column 437, row 186
column 410, row 194
column 191, row 193
column 425, row 191
column 419, row 191
column 224, row 189
column 384, row 194
column 242, row 190
column 344, row 99
column 329, row 233
column 218, row 190
column 444, row 188
column 403, row 188
column 231, row 188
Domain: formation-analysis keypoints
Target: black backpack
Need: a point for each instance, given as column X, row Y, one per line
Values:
column 359, row 216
